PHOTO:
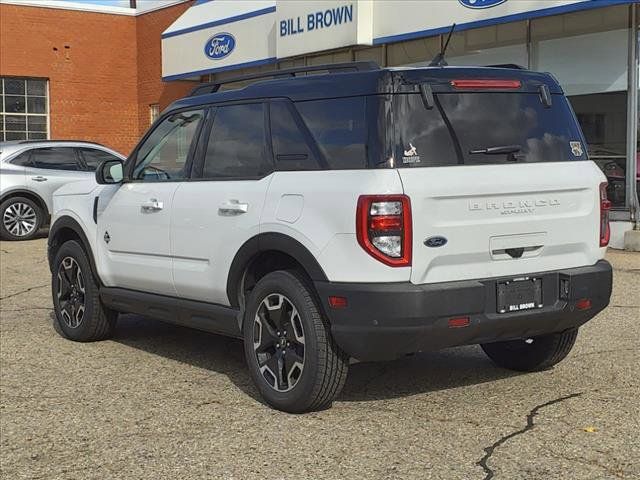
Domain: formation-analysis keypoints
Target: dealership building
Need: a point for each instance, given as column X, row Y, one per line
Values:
column 131, row 65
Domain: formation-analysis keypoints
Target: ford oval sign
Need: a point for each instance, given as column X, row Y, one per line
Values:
column 435, row 242
column 481, row 3
column 220, row 46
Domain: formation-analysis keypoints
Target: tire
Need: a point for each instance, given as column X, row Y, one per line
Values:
column 20, row 219
column 541, row 353
column 79, row 314
column 306, row 337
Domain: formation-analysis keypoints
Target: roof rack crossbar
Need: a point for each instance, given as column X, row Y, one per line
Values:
column 287, row 72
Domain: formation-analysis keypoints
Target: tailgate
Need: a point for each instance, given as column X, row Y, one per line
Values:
column 502, row 220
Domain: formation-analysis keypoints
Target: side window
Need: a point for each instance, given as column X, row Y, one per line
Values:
column 340, row 130
column 163, row 155
column 22, row 160
column 93, row 157
column 55, row 158
column 290, row 148
column 237, row 146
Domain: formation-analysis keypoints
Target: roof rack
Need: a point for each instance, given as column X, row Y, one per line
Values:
column 508, row 65
column 59, row 141
column 287, row 72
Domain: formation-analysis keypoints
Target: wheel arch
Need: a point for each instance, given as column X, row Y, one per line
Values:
column 31, row 195
column 282, row 249
column 64, row 229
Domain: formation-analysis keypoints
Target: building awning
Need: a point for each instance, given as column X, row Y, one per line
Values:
column 195, row 43
column 214, row 36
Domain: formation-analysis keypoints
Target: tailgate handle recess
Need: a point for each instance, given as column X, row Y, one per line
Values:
column 516, row 252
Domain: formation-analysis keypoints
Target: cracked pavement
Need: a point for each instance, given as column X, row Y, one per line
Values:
column 161, row 401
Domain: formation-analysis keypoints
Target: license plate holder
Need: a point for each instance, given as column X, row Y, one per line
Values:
column 519, row 294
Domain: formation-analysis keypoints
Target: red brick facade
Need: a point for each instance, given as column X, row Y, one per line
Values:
column 104, row 70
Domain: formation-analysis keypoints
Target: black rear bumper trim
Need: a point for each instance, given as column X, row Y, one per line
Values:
column 388, row 320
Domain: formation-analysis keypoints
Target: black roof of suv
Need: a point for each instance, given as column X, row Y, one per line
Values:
column 359, row 78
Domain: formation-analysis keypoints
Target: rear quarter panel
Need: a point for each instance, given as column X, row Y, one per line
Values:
column 318, row 209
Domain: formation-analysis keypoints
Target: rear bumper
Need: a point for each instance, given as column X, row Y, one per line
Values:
column 388, row 320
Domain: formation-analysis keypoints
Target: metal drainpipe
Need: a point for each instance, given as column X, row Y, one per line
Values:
column 132, row 3
column 632, row 117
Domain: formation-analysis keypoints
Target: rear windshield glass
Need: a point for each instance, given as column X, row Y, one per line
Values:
column 485, row 128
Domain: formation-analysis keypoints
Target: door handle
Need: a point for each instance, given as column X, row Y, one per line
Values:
column 233, row 208
column 151, row 206
column 39, row 178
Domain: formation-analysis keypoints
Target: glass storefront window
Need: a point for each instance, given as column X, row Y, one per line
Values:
column 375, row 54
column 588, row 53
column 413, row 52
column 334, row 57
column 494, row 45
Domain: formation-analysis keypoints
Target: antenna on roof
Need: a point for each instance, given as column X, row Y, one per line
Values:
column 438, row 60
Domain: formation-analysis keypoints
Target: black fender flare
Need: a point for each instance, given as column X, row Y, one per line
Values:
column 71, row 223
column 265, row 242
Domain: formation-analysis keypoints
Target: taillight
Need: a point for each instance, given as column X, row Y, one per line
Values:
column 383, row 228
column 605, row 207
column 485, row 83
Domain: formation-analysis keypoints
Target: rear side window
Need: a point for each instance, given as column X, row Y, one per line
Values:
column 22, row 160
column 485, row 128
column 54, row 158
column 338, row 127
column 93, row 157
column 290, row 147
column 237, row 143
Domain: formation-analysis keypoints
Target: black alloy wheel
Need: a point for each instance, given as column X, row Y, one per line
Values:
column 292, row 357
column 71, row 292
column 79, row 312
column 278, row 341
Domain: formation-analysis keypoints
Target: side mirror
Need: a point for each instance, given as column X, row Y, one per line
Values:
column 110, row 172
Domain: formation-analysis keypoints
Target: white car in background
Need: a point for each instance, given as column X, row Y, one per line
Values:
column 30, row 171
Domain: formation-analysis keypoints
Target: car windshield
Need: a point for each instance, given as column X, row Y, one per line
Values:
column 485, row 128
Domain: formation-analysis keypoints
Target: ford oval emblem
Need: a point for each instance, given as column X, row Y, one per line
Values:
column 435, row 242
column 219, row 46
column 481, row 3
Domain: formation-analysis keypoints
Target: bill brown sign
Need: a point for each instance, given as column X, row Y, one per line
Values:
column 300, row 25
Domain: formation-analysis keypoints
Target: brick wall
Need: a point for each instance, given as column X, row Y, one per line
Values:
column 149, row 61
column 104, row 70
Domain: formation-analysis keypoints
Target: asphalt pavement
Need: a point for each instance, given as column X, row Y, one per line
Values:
column 161, row 401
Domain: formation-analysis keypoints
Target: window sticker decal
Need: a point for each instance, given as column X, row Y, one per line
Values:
column 411, row 155
column 576, row 148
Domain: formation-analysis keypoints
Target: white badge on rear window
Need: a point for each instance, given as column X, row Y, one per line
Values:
column 576, row 148
column 411, row 155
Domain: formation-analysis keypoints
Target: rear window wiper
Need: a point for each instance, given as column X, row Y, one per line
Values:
column 502, row 149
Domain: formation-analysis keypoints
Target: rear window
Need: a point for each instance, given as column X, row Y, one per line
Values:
column 22, row 160
column 339, row 128
column 54, row 158
column 289, row 144
column 485, row 128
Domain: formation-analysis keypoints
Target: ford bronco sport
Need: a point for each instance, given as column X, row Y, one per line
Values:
column 358, row 212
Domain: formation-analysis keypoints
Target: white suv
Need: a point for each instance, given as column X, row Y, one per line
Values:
column 367, row 213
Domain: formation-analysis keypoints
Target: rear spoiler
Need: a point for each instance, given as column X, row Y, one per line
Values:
column 477, row 79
